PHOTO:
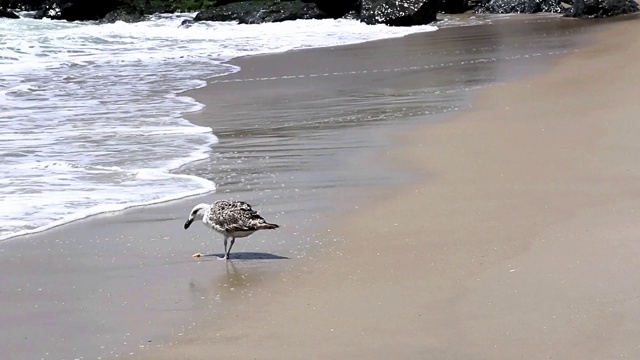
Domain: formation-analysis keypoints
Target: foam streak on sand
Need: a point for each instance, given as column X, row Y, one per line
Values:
column 522, row 243
column 396, row 69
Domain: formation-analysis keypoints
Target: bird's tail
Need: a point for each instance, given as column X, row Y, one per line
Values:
column 267, row 226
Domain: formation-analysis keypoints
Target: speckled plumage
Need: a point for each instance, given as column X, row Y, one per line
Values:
column 232, row 219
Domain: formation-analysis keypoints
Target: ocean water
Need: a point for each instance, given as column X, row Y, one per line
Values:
column 91, row 116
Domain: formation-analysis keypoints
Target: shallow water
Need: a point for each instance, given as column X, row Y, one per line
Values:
column 317, row 112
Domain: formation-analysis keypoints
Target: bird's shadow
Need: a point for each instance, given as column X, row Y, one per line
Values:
column 248, row 256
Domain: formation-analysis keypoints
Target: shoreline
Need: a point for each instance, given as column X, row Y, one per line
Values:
column 232, row 77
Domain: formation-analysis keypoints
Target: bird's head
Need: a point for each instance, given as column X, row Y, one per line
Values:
column 196, row 214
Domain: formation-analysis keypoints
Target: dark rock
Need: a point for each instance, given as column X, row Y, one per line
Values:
column 453, row 6
column 186, row 23
column 78, row 10
column 257, row 12
column 399, row 13
column 128, row 15
column 225, row 2
column 520, row 7
column 102, row 7
column 352, row 15
column 8, row 14
column 25, row 5
column 52, row 10
column 336, row 8
column 150, row 7
column 601, row 8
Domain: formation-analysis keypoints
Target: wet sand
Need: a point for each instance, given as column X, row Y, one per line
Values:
column 520, row 241
column 413, row 265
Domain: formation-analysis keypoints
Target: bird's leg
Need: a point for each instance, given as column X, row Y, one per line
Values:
column 233, row 240
column 225, row 247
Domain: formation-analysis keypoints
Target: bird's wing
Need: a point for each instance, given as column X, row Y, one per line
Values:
column 235, row 216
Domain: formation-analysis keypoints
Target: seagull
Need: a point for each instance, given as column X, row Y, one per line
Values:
column 232, row 219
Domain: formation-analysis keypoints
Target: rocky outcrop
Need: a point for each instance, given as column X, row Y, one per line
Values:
column 601, row 8
column 579, row 8
column 391, row 12
column 257, row 12
column 521, row 7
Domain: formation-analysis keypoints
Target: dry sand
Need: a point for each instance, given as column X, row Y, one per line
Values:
column 521, row 243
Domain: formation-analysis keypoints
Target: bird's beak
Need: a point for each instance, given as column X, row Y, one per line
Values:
column 188, row 223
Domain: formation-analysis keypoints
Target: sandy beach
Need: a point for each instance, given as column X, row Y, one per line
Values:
column 520, row 241
column 502, row 230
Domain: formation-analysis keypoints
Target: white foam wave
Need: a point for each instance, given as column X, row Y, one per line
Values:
column 54, row 219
